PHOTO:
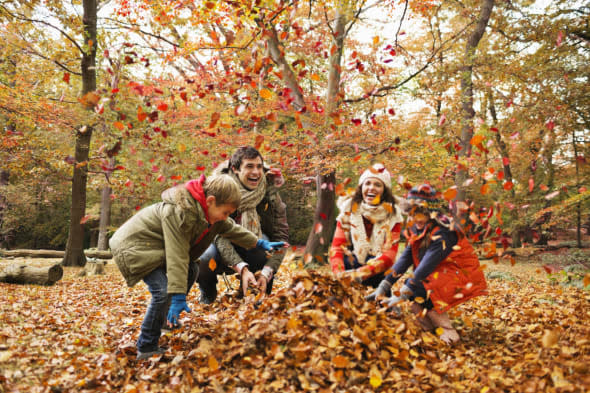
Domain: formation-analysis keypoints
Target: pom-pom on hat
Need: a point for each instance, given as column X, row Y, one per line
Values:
column 377, row 171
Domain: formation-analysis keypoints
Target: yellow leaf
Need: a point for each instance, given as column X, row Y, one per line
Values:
column 181, row 147
column 375, row 40
column 266, row 94
column 375, row 381
column 315, row 77
column 439, row 331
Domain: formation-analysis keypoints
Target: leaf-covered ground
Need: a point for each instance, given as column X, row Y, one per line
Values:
column 312, row 334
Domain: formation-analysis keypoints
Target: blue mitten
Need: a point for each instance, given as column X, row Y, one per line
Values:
column 269, row 246
column 176, row 307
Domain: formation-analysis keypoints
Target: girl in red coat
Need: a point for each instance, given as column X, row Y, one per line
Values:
column 368, row 229
column 446, row 268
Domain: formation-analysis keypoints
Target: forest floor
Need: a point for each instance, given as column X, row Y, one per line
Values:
column 315, row 333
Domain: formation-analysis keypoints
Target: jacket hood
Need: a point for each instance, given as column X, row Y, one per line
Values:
column 186, row 196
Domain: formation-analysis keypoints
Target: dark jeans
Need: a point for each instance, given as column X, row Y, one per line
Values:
column 155, row 316
column 255, row 258
column 372, row 281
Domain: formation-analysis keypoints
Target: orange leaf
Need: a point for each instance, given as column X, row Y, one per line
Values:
column 258, row 141
column 355, row 159
column 477, row 139
column 340, row 361
column 587, row 279
column 214, row 118
column 450, row 193
column 531, row 184
column 266, row 94
column 84, row 219
column 213, row 364
column 318, row 227
column 66, row 77
column 212, row 264
column 119, row 126
column 508, row 185
column 484, row 189
column 162, row 106
column 141, row 115
column 315, row 77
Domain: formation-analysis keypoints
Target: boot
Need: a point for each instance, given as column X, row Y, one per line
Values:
column 208, row 295
column 449, row 335
column 422, row 317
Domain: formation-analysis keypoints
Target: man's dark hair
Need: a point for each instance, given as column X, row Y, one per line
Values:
column 247, row 152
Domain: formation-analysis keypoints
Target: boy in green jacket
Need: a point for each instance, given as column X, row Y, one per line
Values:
column 155, row 246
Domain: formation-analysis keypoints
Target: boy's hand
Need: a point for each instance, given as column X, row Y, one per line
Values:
column 247, row 280
column 269, row 246
column 176, row 307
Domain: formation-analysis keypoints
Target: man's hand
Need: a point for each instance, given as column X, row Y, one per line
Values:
column 262, row 282
column 247, row 280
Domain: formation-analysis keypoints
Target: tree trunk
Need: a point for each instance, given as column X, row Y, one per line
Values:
column 21, row 273
column 579, row 204
column 467, row 110
column 74, row 255
column 52, row 254
column 4, row 232
column 321, row 234
column 92, row 268
column 319, row 241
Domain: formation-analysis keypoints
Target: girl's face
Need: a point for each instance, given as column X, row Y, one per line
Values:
column 372, row 191
column 419, row 220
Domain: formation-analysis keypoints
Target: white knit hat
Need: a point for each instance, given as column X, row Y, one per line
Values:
column 377, row 171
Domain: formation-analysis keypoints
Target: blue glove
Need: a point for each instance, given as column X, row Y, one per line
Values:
column 269, row 246
column 176, row 307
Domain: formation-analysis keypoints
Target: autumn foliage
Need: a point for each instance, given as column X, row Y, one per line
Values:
column 313, row 333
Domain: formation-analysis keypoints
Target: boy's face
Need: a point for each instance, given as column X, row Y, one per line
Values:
column 218, row 212
column 250, row 172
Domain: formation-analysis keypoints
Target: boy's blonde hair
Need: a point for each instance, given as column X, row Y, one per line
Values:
column 224, row 188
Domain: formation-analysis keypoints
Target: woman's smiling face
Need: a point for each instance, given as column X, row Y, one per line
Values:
column 372, row 191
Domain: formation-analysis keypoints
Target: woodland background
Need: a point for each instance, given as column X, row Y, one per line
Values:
column 104, row 104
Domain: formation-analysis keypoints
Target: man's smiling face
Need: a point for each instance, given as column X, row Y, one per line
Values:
column 250, row 172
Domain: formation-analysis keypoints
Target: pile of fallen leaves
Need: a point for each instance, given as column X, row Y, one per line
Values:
column 314, row 333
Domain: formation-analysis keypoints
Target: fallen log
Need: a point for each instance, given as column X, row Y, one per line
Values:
column 22, row 273
column 52, row 254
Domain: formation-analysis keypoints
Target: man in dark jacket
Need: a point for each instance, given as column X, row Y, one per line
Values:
column 262, row 212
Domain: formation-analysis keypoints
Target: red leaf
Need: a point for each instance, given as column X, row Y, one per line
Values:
column 141, row 115
column 559, row 39
column 66, row 77
column 84, row 219
column 183, row 96
column 356, row 122
column 505, row 161
column 200, row 168
column 161, row 178
column 508, row 185
column 442, row 120
column 531, row 184
column 162, row 106
column 323, row 216
column 391, row 111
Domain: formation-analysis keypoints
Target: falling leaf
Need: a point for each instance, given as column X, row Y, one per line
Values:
column 162, row 106
column 212, row 264
column 266, row 94
column 119, row 126
column 214, row 119
column 559, row 39
column 484, row 189
column 315, row 77
column 531, row 184
column 508, row 185
column 85, row 219
column 141, row 115
column 450, row 193
column 66, row 77
column 552, row 195
column 442, row 120
column 477, row 139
